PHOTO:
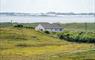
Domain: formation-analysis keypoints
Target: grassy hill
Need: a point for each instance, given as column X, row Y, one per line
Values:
column 79, row 27
column 28, row 44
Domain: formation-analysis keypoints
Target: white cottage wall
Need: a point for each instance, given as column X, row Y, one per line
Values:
column 40, row 27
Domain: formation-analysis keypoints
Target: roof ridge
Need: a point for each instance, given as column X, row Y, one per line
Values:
column 51, row 25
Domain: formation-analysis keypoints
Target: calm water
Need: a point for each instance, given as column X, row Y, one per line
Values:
column 62, row 19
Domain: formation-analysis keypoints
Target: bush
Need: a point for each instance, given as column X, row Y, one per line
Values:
column 47, row 32
column 61, row 37
column 19, row 25
column 80, row 37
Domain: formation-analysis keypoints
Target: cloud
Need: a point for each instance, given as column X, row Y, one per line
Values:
column 47, row 5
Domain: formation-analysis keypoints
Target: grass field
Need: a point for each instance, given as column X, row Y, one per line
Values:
column 79, row 27
column 28, row 44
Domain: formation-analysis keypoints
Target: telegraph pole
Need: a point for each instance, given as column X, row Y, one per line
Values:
column 11, row 22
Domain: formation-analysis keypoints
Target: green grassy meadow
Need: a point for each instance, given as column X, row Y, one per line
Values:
column 79, row 27
column 28, row 44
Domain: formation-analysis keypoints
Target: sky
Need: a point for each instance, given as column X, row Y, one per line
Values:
column 38, row 6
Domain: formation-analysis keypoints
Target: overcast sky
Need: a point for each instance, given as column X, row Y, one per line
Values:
column 31, row 6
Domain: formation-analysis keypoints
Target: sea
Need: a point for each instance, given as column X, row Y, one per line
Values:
column 50, row 19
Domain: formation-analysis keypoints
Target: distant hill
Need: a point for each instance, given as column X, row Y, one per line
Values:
column 70, row 13
column 79, row 26
column 42, row 14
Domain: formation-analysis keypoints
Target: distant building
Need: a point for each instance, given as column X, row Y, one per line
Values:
column 55, row 27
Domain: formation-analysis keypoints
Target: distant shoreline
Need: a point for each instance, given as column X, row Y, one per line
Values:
column 50, row 14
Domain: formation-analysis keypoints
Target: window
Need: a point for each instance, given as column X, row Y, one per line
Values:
column 60, row 29
column 56, row 29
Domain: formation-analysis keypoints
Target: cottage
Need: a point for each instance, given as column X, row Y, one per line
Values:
column 49, row 27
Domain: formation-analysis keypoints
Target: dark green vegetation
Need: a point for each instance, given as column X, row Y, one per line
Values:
column 18, row 25
column 80, row 37
column 47, row 32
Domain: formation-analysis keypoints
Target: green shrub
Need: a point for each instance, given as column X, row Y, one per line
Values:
column 19, row 25
column 47, row 32
column 80, row 37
